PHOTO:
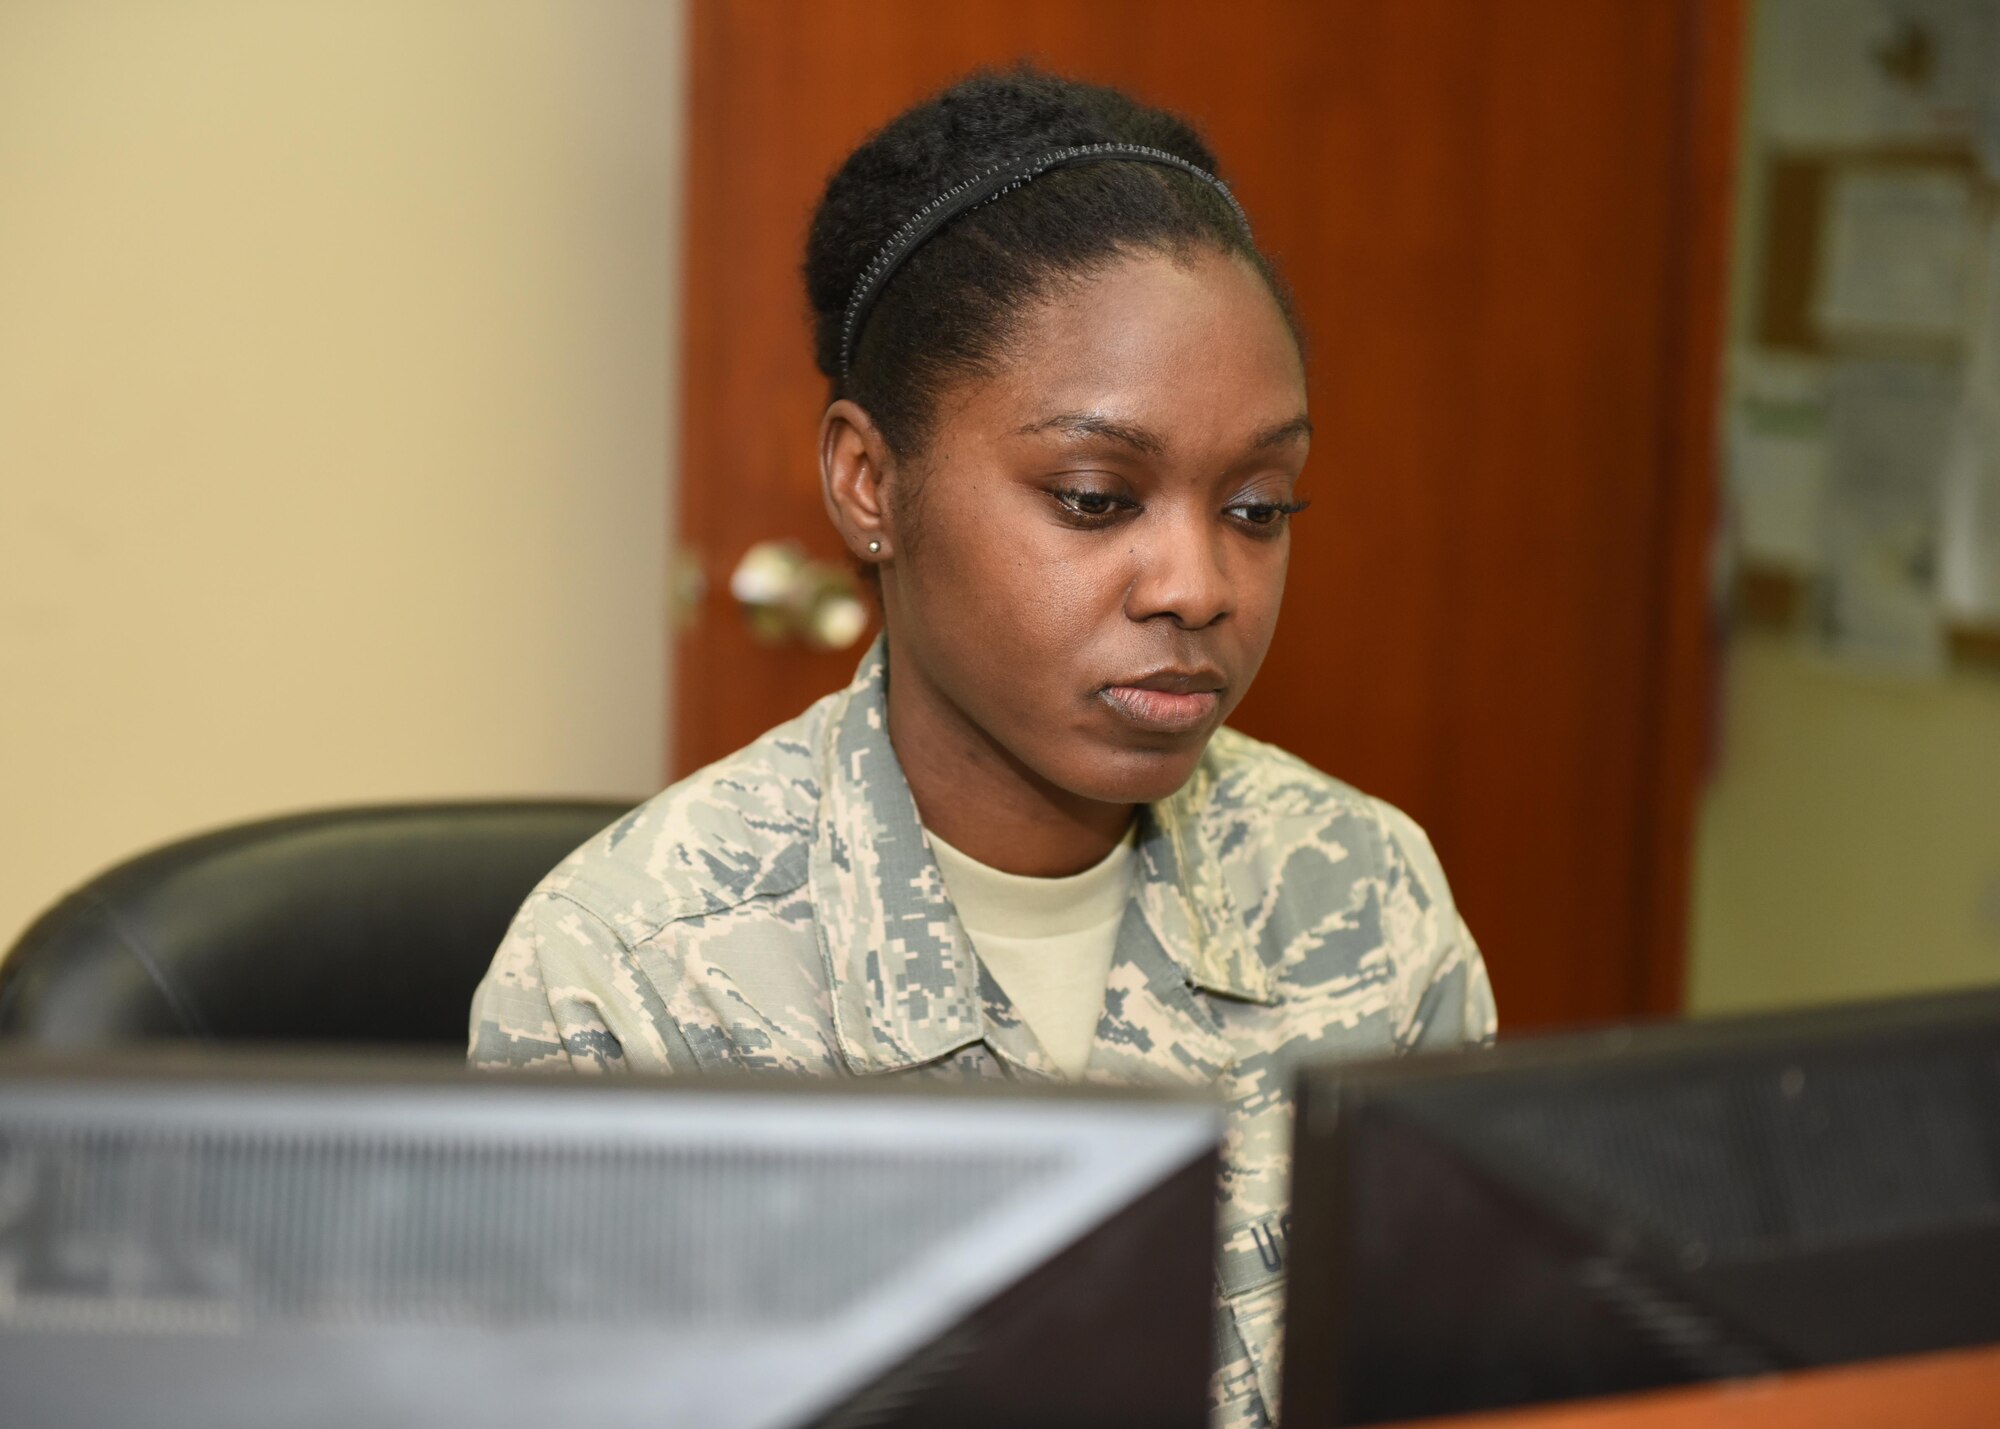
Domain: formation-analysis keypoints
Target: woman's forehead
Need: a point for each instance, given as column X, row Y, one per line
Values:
column 1150, row 347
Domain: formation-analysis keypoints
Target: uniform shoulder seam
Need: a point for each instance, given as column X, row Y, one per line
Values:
column 706, row 904
column 564, row 895
column 679, row 914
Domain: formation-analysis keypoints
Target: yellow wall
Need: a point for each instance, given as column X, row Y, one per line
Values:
column 334, row 410
column 1851, row 843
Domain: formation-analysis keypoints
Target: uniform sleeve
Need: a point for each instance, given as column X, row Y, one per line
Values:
column 563, row 993
column 1449, row 1001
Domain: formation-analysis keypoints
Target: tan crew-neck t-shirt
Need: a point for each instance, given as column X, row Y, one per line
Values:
column 1047, row 941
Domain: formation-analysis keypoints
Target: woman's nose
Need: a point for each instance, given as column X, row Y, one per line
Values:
column 1181, row 573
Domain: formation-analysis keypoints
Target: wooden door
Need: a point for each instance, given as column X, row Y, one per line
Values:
column 1506, row 224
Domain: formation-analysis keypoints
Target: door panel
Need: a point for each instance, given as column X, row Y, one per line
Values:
column 1505, row 225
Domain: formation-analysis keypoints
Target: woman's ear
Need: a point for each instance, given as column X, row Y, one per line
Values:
column 853, row 476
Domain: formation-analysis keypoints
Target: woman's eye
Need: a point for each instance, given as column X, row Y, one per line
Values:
column 1090, row 503
column 1265, row 513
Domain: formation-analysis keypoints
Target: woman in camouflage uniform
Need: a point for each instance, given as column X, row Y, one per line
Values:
column 1066, row 430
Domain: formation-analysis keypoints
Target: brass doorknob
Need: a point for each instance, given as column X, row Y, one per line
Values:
column 787, row 595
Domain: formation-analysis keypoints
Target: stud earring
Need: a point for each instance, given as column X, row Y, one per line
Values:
column 874, row 548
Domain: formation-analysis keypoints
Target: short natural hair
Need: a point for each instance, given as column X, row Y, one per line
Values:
column 949, row 311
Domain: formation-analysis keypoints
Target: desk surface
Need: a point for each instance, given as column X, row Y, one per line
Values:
column 1955, row 1390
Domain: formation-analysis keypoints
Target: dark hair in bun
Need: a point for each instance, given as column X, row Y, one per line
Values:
column 950, row 309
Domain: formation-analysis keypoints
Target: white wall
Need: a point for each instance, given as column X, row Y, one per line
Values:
column 335, row 368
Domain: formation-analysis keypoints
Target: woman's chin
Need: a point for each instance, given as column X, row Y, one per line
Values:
column 1133, row 776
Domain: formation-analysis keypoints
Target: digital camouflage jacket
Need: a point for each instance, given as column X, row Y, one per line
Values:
column 781, row 910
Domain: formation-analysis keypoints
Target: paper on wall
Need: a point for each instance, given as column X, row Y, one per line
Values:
column 1777, row 457
column 1899, row 246
column 1848, row 73
column 1888, row 424
column 1969, row 574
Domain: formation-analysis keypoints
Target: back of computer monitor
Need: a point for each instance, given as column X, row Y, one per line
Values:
column 227, row 1242
column 1621, row 1210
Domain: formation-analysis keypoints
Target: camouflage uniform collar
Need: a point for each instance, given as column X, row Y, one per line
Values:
column 900, row 970
column 905, row 984
column 1182, row 893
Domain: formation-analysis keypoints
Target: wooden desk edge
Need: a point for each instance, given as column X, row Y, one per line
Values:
column 1956, row 1389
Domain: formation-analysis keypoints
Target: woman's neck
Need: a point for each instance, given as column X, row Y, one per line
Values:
column 989, row 806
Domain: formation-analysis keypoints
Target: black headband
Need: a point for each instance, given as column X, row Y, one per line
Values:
column 984, row 188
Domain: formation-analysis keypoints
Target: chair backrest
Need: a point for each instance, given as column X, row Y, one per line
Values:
column 345, row 925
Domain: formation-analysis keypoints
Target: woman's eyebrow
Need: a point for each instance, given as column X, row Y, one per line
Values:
column 1299, row 426
column 1096, row 424
column 1147, row 442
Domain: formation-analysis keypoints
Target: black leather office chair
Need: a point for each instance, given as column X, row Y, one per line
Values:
column 348, row 925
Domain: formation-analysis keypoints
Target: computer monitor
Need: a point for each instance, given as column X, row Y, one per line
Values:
column 1625, row 1209
column 203, row 1241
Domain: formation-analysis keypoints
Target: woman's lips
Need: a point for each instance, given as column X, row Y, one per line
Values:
column 1165, row 711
